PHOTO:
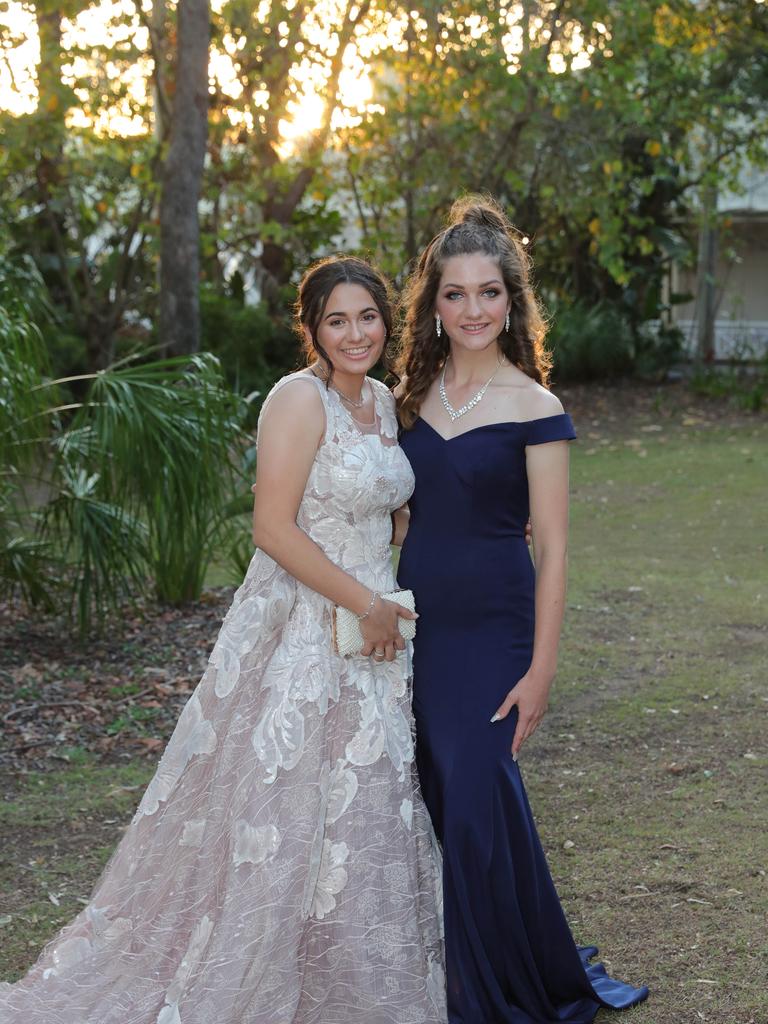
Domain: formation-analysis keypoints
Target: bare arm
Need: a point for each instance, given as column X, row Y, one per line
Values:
column 400, row 519
column 289, row 434
column 401, row 516
column 547, row 466
column 548, row 486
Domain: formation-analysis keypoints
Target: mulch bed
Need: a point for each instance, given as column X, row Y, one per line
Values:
column 115, row 695
column 622, row 407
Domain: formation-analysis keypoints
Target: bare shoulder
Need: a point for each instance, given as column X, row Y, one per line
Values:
column 524, row 397
column 540, row 402
column 295, row 399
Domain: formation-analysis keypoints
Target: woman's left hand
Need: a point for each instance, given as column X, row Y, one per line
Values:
column 531, row 696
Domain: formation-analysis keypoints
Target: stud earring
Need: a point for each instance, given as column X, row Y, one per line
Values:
column 438, row 325
column 506, row 323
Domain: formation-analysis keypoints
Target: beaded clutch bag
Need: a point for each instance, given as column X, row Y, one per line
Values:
column 347, row 635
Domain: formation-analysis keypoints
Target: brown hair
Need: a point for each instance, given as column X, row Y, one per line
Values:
column 315, row 289
column 477, row 224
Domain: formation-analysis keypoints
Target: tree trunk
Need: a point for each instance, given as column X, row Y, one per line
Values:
column 99, row 341
column 158, row 48
column 181, row 184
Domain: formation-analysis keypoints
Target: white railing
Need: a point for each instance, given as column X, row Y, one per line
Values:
column 734, row 339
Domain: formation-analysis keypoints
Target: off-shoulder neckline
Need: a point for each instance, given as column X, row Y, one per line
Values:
column 486, row 426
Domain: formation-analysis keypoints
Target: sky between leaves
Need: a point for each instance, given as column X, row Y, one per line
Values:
column 112, row 21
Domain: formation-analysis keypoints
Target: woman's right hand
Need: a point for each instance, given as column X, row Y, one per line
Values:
column 381, row 631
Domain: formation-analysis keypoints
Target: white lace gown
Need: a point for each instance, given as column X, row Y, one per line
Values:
column 281, row 867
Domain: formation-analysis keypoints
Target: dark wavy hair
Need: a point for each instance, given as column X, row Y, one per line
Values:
column 315, row 289
column 476, row 224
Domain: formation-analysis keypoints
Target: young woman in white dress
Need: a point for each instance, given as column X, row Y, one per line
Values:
column 280, row 867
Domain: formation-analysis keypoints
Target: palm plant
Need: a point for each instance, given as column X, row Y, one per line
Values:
column 129, row 488
column 156, row 447
column 24, row 557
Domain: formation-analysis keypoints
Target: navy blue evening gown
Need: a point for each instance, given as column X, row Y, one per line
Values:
column 510, row 956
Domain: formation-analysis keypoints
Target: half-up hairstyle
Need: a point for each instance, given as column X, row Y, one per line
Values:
column 476, row 224
column 315, row 289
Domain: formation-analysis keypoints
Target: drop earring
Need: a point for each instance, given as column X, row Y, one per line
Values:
column 438, row 325
column 506, row 323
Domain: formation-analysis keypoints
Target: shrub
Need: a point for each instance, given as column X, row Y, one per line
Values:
column 112, row 482
column 746, row 385
column 254, row 350
column 137, row 486
column 150, row 464
column 594, row 342
column 590, row 342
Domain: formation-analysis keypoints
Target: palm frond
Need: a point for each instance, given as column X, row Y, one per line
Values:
column 22, row 360
column 106, row 547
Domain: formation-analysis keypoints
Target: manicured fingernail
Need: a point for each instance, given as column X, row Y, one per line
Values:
column 514, row 758
column 496, row 717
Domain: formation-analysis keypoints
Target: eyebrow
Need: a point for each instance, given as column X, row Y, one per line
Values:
column 461, row 286
column 368, row 309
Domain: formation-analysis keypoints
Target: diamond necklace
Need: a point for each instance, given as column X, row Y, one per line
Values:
column 456, row 413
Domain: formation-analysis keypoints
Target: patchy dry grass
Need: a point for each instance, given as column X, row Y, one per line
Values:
column 58, row 830
column 648, row 776
column 652, row 761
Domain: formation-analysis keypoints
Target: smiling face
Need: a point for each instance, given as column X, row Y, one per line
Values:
column 351, row 330
column 472, row 300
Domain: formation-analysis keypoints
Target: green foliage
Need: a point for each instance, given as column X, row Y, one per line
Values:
column 745, row 384
column 131, row 490
column 66, row 349
column 599, row 163
column 103, row 546
column 253, row 347
column 25, row 562
column 153, row 447
column 658, row 347
column 597, row 125
column 22, row 357
column 80, row 211
column 590, row 342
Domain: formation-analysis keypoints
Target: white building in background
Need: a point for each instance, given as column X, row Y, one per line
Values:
column 731, row 301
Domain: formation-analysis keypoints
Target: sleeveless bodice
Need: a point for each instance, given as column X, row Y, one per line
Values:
column 357, row 480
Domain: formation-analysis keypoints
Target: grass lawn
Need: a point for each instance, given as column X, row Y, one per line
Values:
column 648, row 776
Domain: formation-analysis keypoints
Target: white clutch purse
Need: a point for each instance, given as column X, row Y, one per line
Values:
column 347, row 636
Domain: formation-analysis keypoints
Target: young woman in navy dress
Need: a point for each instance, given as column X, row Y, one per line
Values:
column 488, row 445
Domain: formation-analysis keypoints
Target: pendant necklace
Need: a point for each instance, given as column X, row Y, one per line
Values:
column 349, row 401
column 342, row 396
column 456, row 413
